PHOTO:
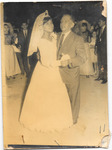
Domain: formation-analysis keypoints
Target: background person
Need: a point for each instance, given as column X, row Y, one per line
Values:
column 23, row 43
column 11, row 63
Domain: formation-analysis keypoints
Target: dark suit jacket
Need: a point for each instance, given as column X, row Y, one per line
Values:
column 24, row 42
column 73, row 45
column 101, row 44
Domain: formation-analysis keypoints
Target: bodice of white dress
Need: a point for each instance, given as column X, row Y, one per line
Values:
column 48, row 51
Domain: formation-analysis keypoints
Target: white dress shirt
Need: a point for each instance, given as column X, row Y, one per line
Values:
column 25, row 32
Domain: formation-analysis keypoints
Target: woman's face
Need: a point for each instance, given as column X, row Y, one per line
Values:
column 15, row 35
column 6, row 29
column 94, row 34
column 83, row 28
column 48, row 26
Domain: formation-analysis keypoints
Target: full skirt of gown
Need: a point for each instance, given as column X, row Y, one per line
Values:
column 92, row 50
column 46, row 105
column 11, row 63
column 93, row 56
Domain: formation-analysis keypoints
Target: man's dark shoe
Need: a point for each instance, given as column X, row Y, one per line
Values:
column 104, row 81
column 98, row 79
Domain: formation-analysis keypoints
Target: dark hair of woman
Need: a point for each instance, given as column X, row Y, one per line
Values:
column 46, row 19
column 84, row 24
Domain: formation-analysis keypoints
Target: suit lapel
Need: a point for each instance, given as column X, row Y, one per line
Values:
column 64, row 45
column 58, row 39
column 67, row 39
column 103, row 32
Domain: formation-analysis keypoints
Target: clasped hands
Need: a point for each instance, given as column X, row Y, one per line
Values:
column 63, row 62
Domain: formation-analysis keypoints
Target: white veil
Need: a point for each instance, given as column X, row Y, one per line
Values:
column 37, row 33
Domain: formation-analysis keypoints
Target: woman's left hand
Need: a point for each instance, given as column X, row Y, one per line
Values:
column 55, row 64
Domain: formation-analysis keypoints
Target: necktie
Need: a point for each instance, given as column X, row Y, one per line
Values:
column 61, row 41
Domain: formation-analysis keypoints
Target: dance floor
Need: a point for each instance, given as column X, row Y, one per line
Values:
column 90, row 130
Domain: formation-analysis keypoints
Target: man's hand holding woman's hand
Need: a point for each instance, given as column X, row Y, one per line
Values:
column 65, row 60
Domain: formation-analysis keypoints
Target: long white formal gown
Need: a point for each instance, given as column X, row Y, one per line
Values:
column 46, row 106
column 87, row 67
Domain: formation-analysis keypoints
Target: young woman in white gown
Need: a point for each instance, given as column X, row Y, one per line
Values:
column 46, row 106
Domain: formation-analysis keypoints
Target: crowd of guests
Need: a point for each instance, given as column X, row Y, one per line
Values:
column 95, row 48
column 94, row 35
column 16, row 47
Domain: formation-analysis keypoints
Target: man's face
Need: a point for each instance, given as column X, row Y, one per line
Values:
column 24, row 26
column 66, row 23
column 101, row 23
column 6, row 29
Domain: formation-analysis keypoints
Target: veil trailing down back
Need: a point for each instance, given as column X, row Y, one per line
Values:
column 37, row 33
column 46, row 106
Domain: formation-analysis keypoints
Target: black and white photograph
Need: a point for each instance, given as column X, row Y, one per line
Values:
column 54, row 74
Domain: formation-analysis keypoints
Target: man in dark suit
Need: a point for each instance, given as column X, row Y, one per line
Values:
column 73, row 45
column 101, row 46
column 23, row 43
